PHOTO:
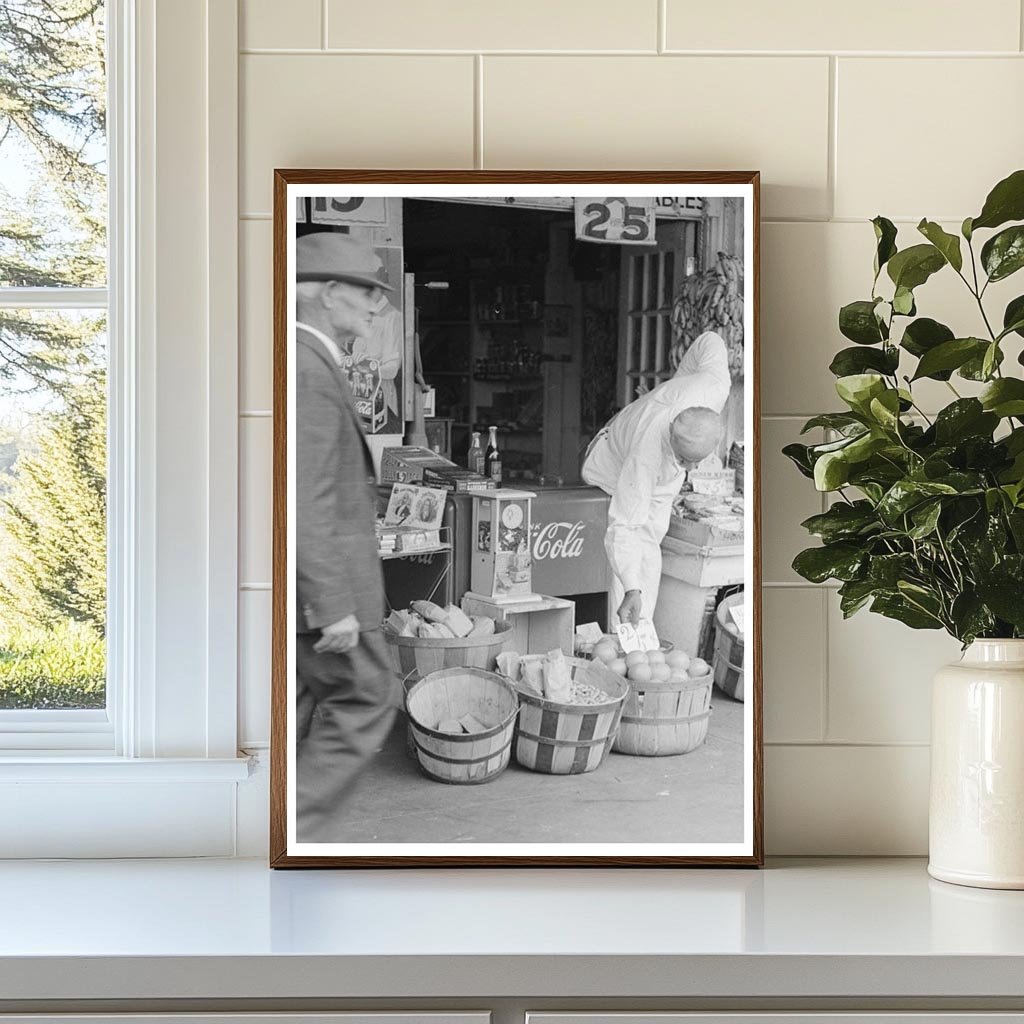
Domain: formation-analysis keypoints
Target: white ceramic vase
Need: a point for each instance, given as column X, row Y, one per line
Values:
column 976, row 814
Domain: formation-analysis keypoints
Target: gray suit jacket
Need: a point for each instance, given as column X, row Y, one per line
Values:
column 337, row 569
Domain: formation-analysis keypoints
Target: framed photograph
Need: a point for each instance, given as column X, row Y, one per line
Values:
column 545, row 647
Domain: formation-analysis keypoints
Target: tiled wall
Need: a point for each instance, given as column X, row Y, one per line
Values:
column 907, row 109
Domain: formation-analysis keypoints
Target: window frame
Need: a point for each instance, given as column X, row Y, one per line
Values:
column 172, row 166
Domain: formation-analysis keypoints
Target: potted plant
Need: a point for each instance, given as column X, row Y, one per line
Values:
column 927, row 521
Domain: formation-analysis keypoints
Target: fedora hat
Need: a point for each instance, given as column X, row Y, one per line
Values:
column 331, row 256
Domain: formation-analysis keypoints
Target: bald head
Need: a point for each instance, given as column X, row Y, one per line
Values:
column 694, row 434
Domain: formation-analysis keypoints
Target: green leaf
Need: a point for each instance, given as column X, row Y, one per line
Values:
column 904, row 495
column 857, row 321
column 950, row 355
column 886, row 571
column 1004, row 397
column 966, row 417
column 1003, row 254
column 885, row 409
column 965, row 229
column 854, row 594
column 971, row 617
column 903, row 302
column 833, row 420
column 840, row 561
column 898, row 608
column 831, row 471
column 923, row 335
column 947, row 244
column 1005, row 597
column 858, row 389
column 1005, row 202
column 885, row 236
column 842, row 521
column 990, row 360
column 1013, row 317
column 925, row 518
column 854, row 360
column 800, row 456
column 912, row 267
column 974, row 368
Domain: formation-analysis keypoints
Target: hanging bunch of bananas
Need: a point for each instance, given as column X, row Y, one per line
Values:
column 711, row 301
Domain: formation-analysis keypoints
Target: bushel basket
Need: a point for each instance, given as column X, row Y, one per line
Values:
column 569, row 739
column 665, row 718
column 451, row 693
column 416, row 656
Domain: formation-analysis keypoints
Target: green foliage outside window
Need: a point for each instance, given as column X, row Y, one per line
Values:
column 52, row 365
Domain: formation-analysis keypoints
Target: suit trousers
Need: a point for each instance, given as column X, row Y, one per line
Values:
column 344, row 713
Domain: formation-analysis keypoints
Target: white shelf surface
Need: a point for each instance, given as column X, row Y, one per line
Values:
column 234, row 929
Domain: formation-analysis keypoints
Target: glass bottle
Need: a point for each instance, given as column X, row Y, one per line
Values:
column 492, row 458
column 475, row 460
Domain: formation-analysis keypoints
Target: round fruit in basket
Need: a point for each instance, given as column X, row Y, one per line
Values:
column 698, row 667
column 618, row 666
column 639, row 672
column 635, row 658
column 660, row 672
column 677, row 660
column 606, row 651
column 656, row 657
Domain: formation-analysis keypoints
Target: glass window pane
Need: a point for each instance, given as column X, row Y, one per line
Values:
column 53, row 149
column 53, row 450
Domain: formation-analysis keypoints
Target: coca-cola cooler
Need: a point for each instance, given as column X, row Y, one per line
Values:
column 569, row 525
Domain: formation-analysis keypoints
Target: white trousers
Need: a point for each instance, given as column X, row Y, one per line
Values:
column 651, row 535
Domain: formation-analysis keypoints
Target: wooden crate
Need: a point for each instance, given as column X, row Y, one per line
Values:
column 537, row 626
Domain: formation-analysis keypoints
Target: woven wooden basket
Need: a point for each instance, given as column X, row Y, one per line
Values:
column 467, row 758
column 665, row 718
column 415, row 657
column 569, row 739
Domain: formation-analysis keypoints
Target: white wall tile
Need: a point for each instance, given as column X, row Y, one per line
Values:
column 877, row 25
column 271, row 24
column 255, row 503
column 794, row 663
column 495, row 25
column 682, row 113
column 787, row 498
column 880, row 676
column 255, row 309
column 254, row 619
column 961, row 130
column 351, row 111
column 846, row 801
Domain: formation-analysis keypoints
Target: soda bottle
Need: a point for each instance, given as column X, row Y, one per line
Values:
column 475, row 459
column 492, row 458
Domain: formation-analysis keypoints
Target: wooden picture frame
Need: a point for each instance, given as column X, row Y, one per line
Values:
column 712, row 208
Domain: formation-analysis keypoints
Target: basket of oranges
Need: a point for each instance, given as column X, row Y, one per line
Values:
column 669, row 701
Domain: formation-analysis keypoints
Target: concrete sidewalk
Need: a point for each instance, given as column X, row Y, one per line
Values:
column 690, row 798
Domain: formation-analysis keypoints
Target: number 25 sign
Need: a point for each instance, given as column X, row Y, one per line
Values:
column 618, row 220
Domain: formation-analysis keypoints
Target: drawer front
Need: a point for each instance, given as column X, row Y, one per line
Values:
column 359, row 1017
column 775, row 1018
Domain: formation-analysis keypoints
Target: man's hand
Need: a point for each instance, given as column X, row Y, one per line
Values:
column 338, row 637
column 629, row 610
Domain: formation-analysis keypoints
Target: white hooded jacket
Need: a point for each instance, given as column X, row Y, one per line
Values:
column 635, row 463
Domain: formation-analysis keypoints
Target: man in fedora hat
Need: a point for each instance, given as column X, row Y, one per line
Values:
column 343, row 672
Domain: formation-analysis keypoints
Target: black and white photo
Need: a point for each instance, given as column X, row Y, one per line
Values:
column 516, row 483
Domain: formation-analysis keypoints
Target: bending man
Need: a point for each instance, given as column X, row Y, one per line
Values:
column 641, row 459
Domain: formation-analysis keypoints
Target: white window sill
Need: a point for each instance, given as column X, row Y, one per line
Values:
column 76, row 766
